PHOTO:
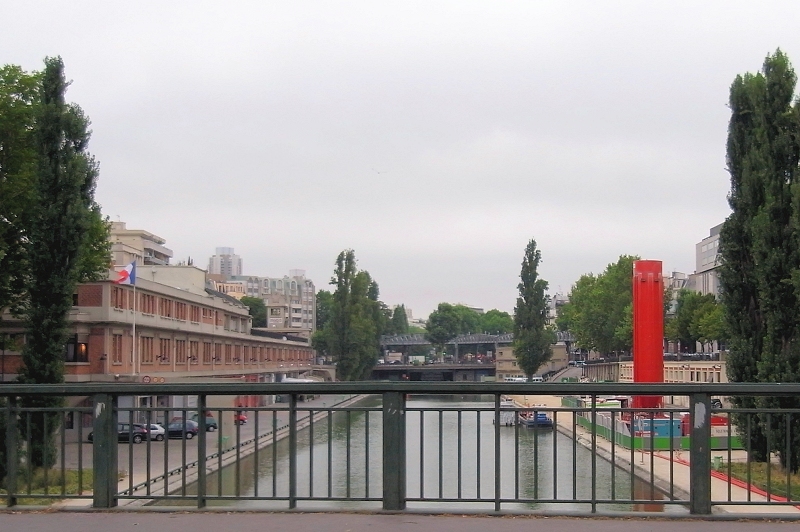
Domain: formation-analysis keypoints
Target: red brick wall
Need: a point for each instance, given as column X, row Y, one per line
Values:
column 90, row 295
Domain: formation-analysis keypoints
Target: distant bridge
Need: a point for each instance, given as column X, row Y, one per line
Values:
column 402, row 340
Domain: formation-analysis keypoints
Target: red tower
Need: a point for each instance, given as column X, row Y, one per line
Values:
column 648, row 328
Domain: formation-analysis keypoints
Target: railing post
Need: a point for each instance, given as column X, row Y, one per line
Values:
column 12, row 451
column 293, row 451
column 700, row 454
column 201, row 451
column 104, row 451
column 394, row 451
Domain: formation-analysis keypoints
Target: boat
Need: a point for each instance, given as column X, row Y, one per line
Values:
column 538, row 421
column 507, row 412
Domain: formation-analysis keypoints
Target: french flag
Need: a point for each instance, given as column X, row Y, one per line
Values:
column 127, row 275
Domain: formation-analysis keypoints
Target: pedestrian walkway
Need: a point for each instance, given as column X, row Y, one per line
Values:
column 343, row 522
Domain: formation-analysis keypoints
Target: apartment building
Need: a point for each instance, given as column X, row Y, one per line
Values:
column 128, row 245
column 290, row 300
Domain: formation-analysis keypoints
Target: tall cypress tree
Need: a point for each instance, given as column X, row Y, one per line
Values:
column 759, row 246
column 532, row 338
column 59, row 224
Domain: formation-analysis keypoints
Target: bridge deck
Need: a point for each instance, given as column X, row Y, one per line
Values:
column 315, row 522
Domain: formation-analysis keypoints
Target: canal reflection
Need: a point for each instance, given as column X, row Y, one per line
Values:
column 450, row 455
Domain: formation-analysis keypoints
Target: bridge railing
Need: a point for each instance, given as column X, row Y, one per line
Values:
column 394, row 446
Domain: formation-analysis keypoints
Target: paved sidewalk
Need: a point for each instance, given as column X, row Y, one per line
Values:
column 342, row 522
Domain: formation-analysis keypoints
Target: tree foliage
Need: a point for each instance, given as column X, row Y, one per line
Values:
column 257, row 309
column 599, row 312
column 449, row 321
column 57, row 241
column 399, row 323
column 686, row 326
column 532, row 338
column 760, row 246
column 357, row 318
column 497, row 322
column 22, row 122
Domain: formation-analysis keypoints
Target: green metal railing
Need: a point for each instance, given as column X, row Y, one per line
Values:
column 338, row 452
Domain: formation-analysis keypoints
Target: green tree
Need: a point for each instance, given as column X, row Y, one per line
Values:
column 599, row 312
column 497, row 322
column 711, row 324
column 399, row 320
column 532, row 337
column 760, row 246
column 19, row 93
column 684, row 326
column 324, row 304
column 59, row 227
column 351, row 334
column 257, row 309
column 443, row 325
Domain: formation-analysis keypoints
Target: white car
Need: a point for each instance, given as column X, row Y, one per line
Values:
column 156, row 431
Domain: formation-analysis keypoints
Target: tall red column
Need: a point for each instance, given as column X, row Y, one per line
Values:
column 648, row 328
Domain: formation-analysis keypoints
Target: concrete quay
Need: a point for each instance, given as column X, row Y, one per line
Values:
column 662, row 463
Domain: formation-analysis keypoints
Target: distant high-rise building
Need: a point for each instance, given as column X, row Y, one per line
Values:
column 226, row 263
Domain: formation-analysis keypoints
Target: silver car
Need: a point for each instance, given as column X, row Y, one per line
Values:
column 156, row 431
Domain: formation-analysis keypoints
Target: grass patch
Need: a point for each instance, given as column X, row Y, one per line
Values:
column 758, row 477
column 54, row 487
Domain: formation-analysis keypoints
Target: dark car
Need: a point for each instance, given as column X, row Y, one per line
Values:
column 179, row 429
column 124, row 433
column 211, row 423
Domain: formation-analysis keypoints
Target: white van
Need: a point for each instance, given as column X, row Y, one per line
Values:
column 515, row 379
column 537, row 378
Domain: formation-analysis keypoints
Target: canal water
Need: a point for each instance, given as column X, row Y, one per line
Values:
column 450, row 455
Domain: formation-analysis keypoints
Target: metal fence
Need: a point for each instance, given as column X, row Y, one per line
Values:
column 439, row 447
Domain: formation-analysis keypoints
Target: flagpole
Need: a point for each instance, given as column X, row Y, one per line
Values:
column 135, row 369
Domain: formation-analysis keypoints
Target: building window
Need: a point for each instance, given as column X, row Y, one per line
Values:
column 116, row 349
column 206, row 352
column 146, row 344
column 164, row 350
column 180, row 351
column 194, row 351
column 180, row 311
column 75, row 351
column 228, row 353
column 166, row 307
column 194, row 315
column 217, row 353
column 118, row 297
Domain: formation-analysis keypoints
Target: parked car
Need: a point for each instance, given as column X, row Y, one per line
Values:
column 240, row 418
column 211, row 423
column 179, row 429
column 716, row 403
column 155, row 431
column 137, row 434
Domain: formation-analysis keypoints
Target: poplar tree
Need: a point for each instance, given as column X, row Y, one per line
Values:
column 399, row 320
column 532, row 337
column 60, row 223
column 352, row 333
column 759, row 248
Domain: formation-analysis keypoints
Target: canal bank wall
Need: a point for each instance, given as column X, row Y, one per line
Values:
column 187, row 474
column 603, row 448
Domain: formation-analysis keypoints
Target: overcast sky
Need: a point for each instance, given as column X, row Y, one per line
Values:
column 433, row 138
